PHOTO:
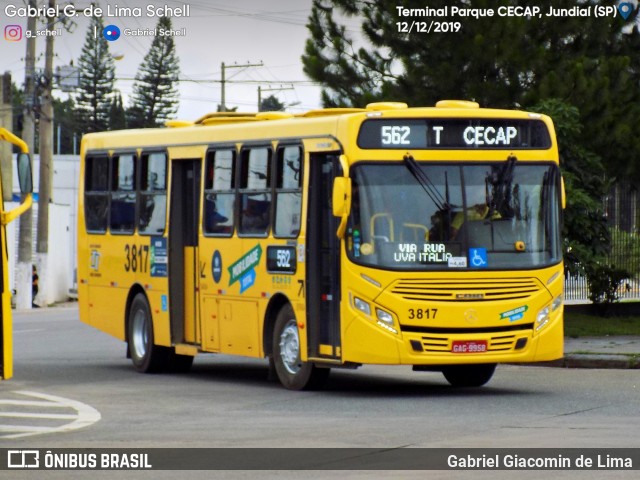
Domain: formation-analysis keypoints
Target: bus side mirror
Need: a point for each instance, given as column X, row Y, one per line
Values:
column 25, row 178
column 341, row 196
column 26, row 188
column 341, row 202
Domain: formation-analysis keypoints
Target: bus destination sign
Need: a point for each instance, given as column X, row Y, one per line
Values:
column 454, row 134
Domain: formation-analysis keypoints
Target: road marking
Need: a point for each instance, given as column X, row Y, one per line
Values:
column 81, row 414
column 37, row 415
column 34, row 403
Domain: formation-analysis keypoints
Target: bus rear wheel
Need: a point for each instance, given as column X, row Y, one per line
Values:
column 292, row 372
column 469, row 375
column 145, row 355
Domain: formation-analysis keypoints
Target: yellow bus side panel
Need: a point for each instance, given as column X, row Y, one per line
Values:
column 161, row 326
column 210, row 324
column 239, row 327
column 106, row 309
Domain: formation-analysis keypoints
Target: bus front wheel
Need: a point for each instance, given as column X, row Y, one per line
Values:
column 292, row 372
column 145, row 355
column 469, row 375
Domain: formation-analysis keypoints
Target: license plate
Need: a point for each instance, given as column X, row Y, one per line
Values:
column 469, row 346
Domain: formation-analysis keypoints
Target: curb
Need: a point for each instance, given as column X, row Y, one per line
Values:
column 577, row 360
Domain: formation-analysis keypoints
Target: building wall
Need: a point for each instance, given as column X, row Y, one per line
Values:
column 61, row 265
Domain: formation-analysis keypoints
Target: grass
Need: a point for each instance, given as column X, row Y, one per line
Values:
column 584, row 325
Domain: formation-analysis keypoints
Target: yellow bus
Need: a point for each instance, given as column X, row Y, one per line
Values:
column 340, row 237
column 25, row 181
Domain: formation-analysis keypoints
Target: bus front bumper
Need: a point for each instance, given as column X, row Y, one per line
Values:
column 366, row 343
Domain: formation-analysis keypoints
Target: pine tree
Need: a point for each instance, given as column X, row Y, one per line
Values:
column 155, row 95
column 67, row 122
column 97, row 76
column 117, row 113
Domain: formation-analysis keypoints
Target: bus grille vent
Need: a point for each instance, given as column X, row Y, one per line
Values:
column 497, row 343
column 468, row 290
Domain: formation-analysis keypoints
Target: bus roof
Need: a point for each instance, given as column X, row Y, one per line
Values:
column 223, row 126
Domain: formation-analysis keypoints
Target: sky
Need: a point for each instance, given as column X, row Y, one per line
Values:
column 270, row 33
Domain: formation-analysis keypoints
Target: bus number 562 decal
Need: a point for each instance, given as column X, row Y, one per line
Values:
column 136, row 258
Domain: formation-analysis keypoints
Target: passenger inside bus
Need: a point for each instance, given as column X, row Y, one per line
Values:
column 214, row 220
column 255, row 215
column 479, row 211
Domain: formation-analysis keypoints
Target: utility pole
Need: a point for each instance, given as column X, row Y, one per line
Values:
column 46, row 163
column 223, row 67
column 25, row 248
column 6, row 152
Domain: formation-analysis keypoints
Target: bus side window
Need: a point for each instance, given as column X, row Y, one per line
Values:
column 288, row 192
column 96, row 193
column 123, row 195
column 153, row 193
column 219, row 196
column 255, row 192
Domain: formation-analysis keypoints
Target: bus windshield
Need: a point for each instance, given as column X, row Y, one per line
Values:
column 427, row 216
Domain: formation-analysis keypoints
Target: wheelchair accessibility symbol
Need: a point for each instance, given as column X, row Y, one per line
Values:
column 478, row 257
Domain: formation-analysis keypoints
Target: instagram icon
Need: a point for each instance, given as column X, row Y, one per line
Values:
column 13, row 33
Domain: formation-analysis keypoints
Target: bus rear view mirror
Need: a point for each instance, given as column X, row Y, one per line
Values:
column 341, row 196
column 24, row 173
column 341, row 202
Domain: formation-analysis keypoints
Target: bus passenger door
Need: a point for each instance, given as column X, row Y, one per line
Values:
column 183, row 251
column 323, row 260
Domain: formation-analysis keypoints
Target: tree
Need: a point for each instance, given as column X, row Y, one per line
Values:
column 117, row 113
column 505, row 62
column 97, row 75
column 271, row 104
column 585, row 233
column 67, row 122
column 17, row 105
column 155, row 95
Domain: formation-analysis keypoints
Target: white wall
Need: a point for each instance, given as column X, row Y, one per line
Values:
column 61, row 263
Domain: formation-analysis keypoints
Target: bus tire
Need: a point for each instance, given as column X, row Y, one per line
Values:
column 292, row 372
column 145, row 355
column 469, row 375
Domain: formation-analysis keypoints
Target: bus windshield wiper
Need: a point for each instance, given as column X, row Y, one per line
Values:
column 502, row 187
column 425, row 182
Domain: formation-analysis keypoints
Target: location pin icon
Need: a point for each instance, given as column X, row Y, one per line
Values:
column 625, row 9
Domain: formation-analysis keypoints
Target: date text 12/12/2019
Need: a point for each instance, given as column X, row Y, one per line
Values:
column 428, row 27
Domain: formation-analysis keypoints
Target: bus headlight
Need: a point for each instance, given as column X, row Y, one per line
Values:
column 542, row 318
column 362, row 306
column 385, row 320
column 544, row 315
column 385, row 317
